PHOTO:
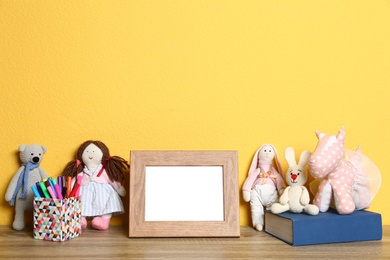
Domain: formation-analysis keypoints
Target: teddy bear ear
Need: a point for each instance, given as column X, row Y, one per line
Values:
column 22, row 147
column 43, row 148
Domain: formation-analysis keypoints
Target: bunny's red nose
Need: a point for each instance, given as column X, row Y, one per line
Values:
column 294, row 176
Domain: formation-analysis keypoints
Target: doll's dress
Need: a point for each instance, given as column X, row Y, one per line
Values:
column 97, row 194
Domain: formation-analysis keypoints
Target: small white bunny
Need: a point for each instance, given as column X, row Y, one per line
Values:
column 295, row 197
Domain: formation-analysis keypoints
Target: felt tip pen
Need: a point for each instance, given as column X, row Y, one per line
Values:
column 79, row 180
column 68, row 186
column 76, row 189
column 39, row 189
column 51, row 192
column 58, row 191
column 35, row 190
column 52, row 182
column 48, row 185
column 59, row 182
column 44, row 190
column 63, row 185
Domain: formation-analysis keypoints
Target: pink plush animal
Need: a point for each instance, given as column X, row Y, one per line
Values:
column 343, row 181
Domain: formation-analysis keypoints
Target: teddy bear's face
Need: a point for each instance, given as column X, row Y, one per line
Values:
column 92, row 156
column 31, row 153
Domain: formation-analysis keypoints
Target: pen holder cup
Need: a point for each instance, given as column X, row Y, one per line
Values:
column 57, row 220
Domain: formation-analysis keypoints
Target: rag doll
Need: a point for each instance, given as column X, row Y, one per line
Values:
column 263, row 184
column 344, row 181
column 295, row 197
column 101, row 177
column 19, row 193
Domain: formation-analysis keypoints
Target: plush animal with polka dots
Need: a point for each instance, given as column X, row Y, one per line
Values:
column 295, row 197
column 343, row 181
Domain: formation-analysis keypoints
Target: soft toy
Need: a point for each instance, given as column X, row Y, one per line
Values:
column 343, row 182
column 263, row 183
column 295, row 197
column 19, row 191
column 101, row 187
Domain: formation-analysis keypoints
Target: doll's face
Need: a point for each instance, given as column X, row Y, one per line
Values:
column 267, row 153
column 92, row 156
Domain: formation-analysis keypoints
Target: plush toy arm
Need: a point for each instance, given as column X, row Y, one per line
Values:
column 250, row 180
column 305, row 197
column 121, row 191
column 246, row 195
column 284, row 198
column 12, row 185
column 42, row 173
column 280, row 185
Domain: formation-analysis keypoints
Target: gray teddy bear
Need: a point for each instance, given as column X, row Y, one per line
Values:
column 19, row 193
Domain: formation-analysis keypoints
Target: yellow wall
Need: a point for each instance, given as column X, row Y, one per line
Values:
column 214, row 75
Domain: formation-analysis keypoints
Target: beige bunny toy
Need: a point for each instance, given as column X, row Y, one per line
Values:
column 295, row 197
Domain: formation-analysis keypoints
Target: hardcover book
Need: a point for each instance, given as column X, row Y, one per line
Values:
column 327, row 227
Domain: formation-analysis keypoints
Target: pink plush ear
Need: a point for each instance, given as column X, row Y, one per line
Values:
column 319, row 134
column 255, row 161
column 277, row 161
column 341, row 134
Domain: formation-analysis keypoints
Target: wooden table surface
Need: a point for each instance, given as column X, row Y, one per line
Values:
column 115, row 244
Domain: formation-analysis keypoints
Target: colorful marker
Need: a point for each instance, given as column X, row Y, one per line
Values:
column 59, row 182
column 35, row 190
column 79, row 180
column 68, row 186
column 39, row 189
column 76, row 189
column 52, row 182
column 51, row 192
column 58, row 191
column 44, row 190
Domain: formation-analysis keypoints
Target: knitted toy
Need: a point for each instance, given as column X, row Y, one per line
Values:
column 263, row 183
column 295, row 197
column 101, row 176
column 19, row 193
column 343, row 181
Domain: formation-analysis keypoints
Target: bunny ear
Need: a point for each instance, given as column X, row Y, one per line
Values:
column 304, row 158
column 255, row 161
column 289, row 154
column 277, row 161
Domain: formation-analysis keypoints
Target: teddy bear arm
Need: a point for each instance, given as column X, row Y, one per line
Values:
column 12, row 185
column 42, row 173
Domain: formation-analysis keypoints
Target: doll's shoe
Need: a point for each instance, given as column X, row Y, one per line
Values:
column 83, row 223
column 101, row 223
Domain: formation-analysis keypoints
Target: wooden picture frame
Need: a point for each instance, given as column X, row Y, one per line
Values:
column 228, row 226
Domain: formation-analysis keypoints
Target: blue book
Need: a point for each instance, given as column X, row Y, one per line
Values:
column 328, row 227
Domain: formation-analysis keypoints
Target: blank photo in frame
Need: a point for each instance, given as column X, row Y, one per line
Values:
column 184, row 194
